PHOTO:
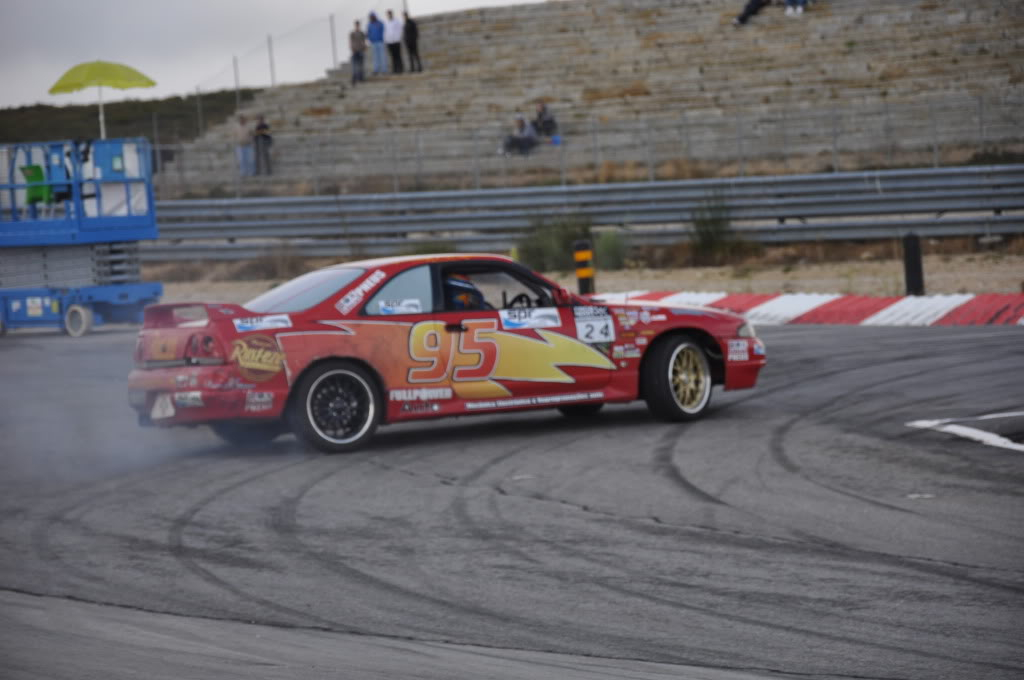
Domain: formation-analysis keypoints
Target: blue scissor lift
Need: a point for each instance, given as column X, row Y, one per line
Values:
column 71, row 216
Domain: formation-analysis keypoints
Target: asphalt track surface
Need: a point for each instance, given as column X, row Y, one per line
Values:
column 801, row 530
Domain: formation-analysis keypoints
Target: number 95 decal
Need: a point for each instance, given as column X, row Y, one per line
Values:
column 595, row 329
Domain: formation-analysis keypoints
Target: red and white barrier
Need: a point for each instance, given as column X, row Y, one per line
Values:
column 1005, row 309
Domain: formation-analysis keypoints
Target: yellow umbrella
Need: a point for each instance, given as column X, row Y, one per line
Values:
column 100, row 73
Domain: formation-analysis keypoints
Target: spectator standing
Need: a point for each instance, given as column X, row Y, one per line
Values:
column 545, row 123
column 795, row 7
column 375, row 34
column 523, row 137
column 243, row 147
column 411, row 37
column 262, row 141
column 752, row 8
column 393, row 38
column 357, row 43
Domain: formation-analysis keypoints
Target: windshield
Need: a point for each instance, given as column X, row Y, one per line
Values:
column 305, row 291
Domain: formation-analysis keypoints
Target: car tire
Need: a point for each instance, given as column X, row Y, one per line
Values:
column 677, row 379
column 78, row 320
column 581, row 410
column 250, row 433
column 336, row 407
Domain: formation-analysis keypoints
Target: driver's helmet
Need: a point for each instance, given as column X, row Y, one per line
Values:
column 460, row 293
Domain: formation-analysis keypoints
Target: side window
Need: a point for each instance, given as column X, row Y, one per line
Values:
column 480, row 288
column 407, row 293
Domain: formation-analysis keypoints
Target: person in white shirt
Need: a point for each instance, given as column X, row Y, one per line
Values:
column 393, row 38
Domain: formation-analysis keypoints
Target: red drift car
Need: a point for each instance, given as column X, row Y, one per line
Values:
column 334, row 353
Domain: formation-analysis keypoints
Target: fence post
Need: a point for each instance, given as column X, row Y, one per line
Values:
column 647, row 145
column 583, row 254
column 476, row 159
column 238, row 89
column 981, row 121
column 270, row 54
column 912, row 268
column 835, row 141
column 934, row 131
column 740, row 152
column 561, row 159
column 157, row 164
column 334, row 44
column 394, row 161
column 419, row 160
column 199, row 112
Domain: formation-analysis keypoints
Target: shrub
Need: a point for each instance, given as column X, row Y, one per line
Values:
column 547, row 246
column 610, row 251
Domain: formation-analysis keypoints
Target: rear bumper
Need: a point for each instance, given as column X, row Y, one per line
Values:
column 200, row 394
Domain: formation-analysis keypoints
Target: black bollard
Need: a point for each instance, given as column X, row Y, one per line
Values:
column 584, row 257
column 912, row 268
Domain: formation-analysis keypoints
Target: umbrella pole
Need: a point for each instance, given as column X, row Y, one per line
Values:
column 103, row 121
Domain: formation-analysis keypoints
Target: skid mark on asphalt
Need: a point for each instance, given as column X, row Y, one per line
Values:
column 184, row 555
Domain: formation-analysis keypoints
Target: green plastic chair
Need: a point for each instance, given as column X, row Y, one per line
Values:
column 39, row 193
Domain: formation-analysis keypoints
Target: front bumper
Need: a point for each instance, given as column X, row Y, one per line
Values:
column 201, row 394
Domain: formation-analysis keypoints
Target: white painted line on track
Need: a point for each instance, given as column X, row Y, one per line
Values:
column 950, row 426
column 916, row 311
column 785, row 308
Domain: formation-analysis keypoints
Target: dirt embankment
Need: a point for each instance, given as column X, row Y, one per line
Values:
column 944, row 274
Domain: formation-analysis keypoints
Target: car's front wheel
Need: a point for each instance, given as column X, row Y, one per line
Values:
column 677, row 379
column 336, row 407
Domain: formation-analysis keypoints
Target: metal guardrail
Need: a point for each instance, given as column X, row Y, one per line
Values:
column 973, row 200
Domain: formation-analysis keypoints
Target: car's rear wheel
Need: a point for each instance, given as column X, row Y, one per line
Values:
column 250, row 433
column 336, row 407
column 677, row 379
column 581, row 410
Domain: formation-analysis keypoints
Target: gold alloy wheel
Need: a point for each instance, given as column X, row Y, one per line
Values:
column 689, row 378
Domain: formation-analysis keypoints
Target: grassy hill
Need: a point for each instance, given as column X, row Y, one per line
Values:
column 176, row 118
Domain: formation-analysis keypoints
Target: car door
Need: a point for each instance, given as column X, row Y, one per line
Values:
column 507, row 342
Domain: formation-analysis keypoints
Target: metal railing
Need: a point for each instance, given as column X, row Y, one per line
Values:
column 972, row 200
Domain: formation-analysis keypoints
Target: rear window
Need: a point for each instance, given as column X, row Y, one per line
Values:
column 305, row 291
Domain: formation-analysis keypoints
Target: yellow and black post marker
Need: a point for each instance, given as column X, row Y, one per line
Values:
column 584, row 256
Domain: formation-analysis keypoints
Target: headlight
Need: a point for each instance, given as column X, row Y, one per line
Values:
column 746, row 331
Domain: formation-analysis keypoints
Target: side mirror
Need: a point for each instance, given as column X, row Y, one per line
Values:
column 561, row 297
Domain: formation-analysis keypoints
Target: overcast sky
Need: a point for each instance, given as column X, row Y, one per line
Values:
column 182, row 43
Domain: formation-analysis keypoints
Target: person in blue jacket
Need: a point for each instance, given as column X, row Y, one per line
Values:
column 375, row 34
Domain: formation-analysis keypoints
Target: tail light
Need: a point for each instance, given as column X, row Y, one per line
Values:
column 204, row 349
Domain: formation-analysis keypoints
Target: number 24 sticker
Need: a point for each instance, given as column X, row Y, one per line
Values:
column 600, row 329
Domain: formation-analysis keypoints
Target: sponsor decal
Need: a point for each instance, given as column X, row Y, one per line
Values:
column 481, row 355
column 645, row 316
column 231, row 383
column 420, row 407
column 594, row 325
column 356, row 295
column 529, row 317
column 256, row 402
column 641, row 341
column 421, row 394
column 409, row 306
column 759, row 348
column 34, row 306
column 738, row 350
column 629, row 351
column 532, row 401
column 186, row 381
column 188, row 399
column 258, row 357
column 164, row 349
column 659, row 317
column 15, row 305
column 162, row 408
column 262, row 323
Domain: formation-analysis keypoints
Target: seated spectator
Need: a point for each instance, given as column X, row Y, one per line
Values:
column 752, row 8
column 545, row 122
column 523, row 137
